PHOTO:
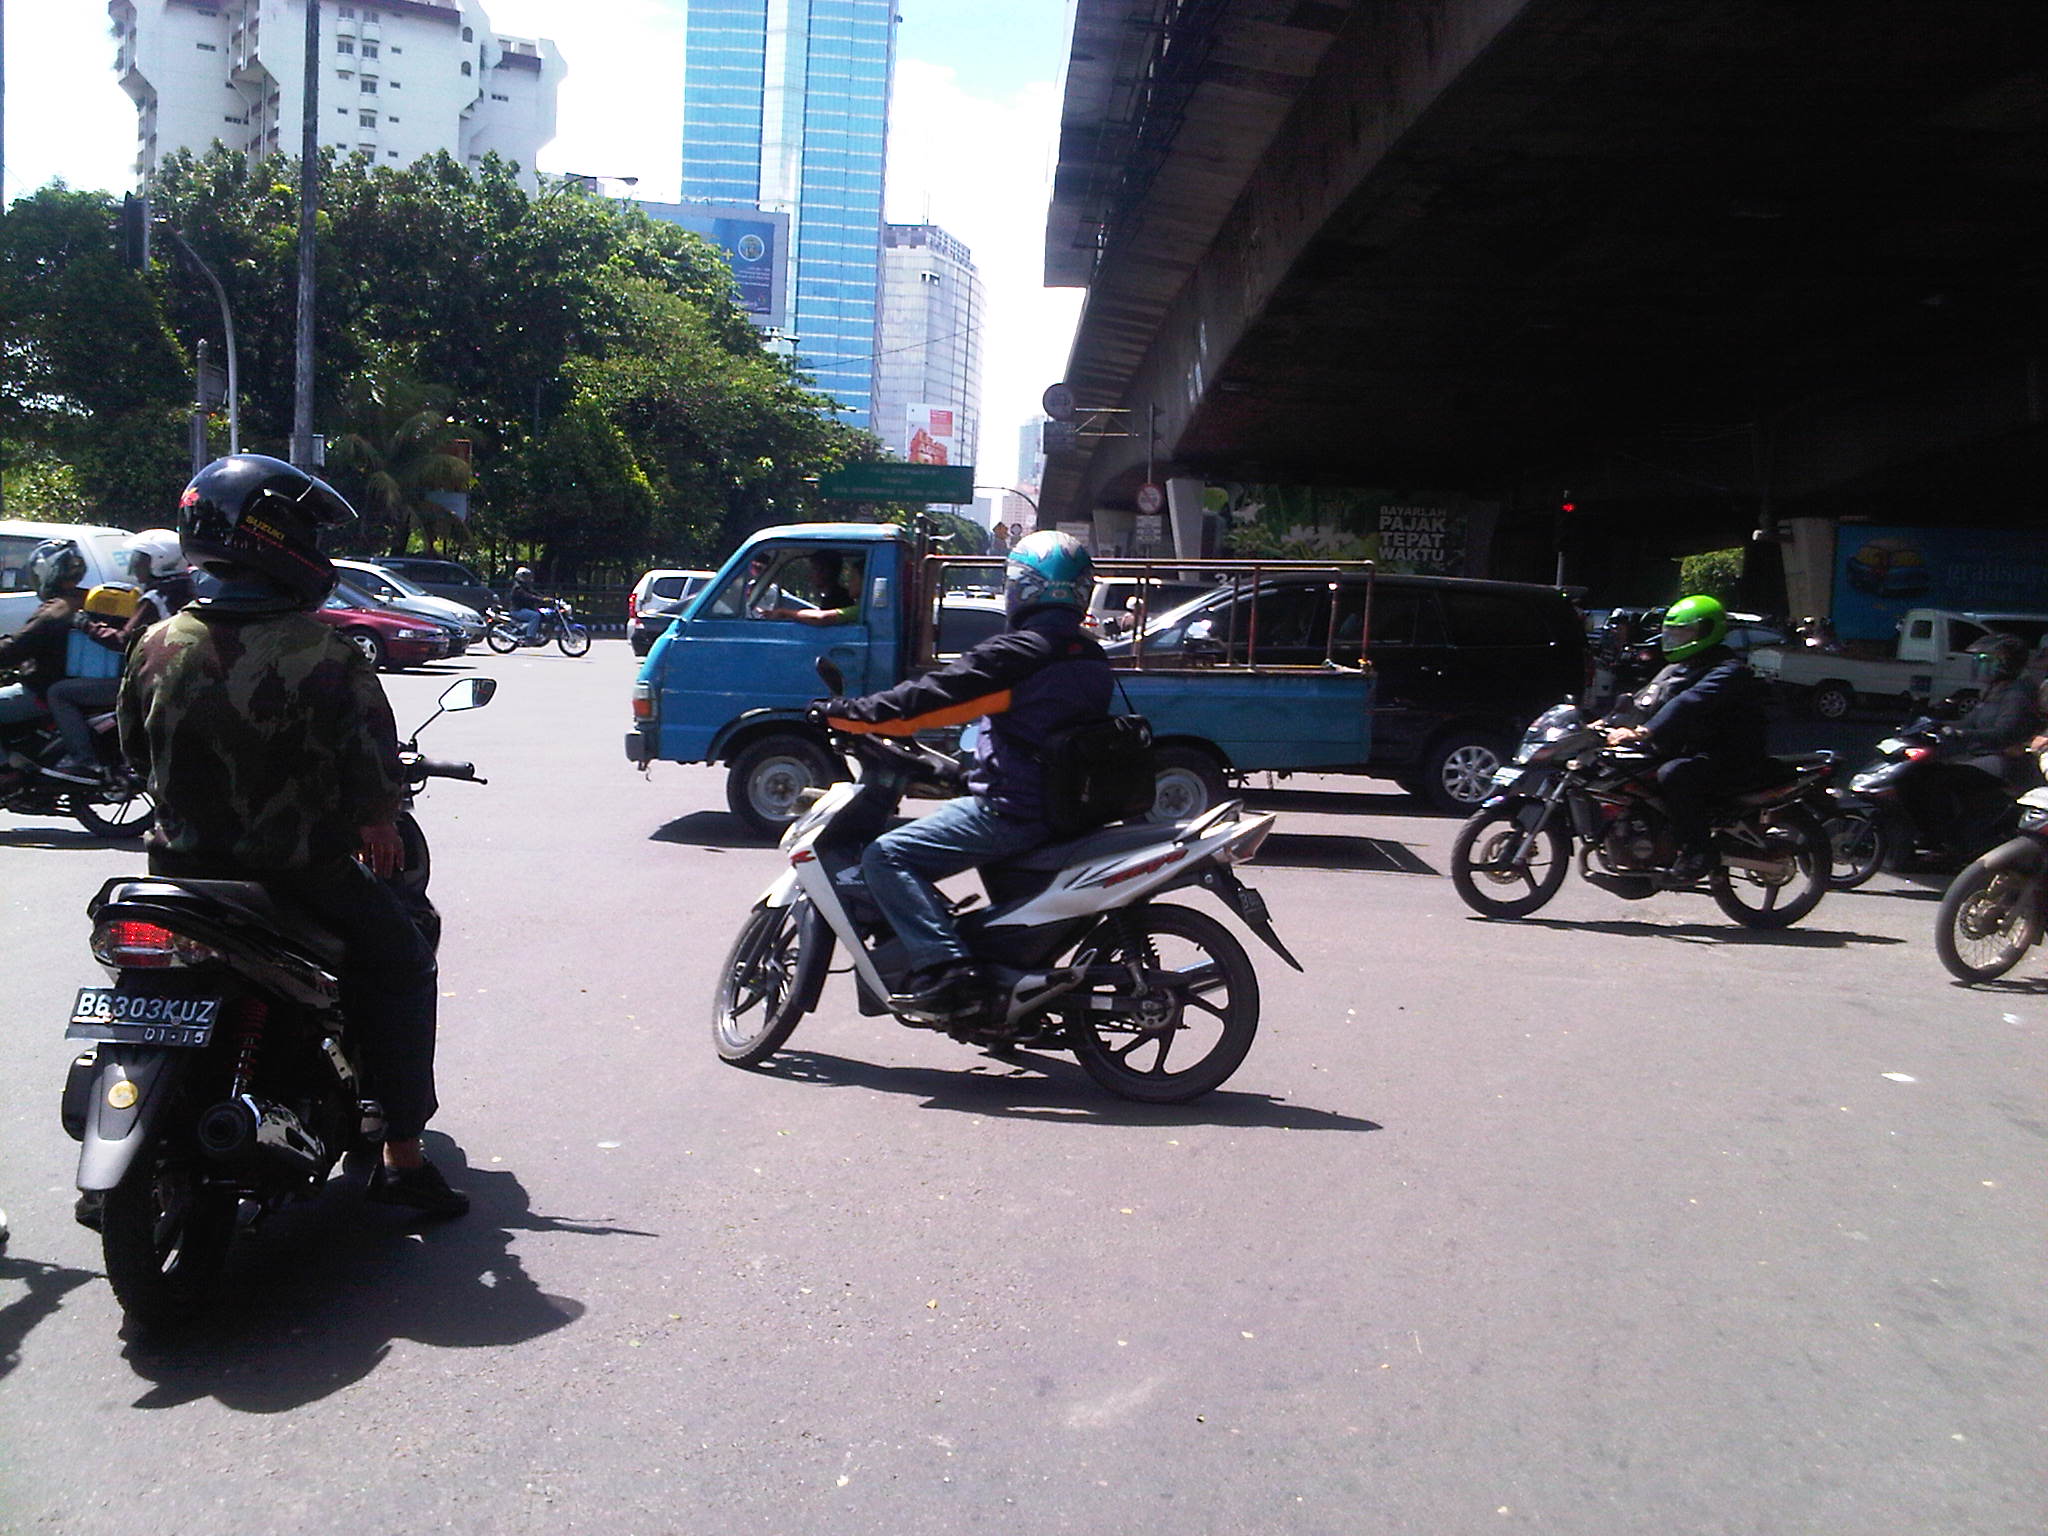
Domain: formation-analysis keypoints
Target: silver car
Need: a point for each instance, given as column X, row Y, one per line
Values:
column 410, row 597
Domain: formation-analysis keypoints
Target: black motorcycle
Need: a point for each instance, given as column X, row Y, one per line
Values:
column 1567, row 785
column 221, row 1083
column 1872, row 825
column 116, row 807
column 1995, row 909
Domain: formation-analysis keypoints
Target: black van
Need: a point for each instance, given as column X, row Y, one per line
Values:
column 1462, row 666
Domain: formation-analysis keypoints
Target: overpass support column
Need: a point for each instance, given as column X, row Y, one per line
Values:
column 1184, row 511
column 1809, row 555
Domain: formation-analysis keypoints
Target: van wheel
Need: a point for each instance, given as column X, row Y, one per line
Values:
column 1457, row 773
column 1831, row 700
column 767, row 776
column 1189, row 781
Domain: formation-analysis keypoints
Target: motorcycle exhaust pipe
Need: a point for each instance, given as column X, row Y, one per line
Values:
column 1773, row 869
column 249, row 1129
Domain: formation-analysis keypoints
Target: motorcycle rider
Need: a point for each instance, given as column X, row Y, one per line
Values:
column 527, row 603
column 1037, row 676
column 1990, row 739
column 56, row 567
column 1707, row 724
column 272, row 756
column 157, row 566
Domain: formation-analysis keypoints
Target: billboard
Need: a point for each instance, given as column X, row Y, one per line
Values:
column 928, row 434
column 1881, row 572
column 756, row 246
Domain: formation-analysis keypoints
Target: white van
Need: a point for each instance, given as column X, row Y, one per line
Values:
column 18, row 540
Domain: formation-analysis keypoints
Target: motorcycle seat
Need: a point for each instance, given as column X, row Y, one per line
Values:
column 1120, row 838
column 241, row 898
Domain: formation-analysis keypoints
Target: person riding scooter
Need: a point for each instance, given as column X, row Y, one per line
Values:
column 1036, row 677
column 1706, row 722
column 1990, row 741
column 156, row 565
column 39, row 649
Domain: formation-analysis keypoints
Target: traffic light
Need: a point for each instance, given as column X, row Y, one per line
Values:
column 135, row 231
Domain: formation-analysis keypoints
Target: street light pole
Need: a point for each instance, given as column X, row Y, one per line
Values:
column 309, row 174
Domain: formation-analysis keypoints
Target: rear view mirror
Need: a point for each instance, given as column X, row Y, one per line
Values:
column 470, row 693
column 1198, row 641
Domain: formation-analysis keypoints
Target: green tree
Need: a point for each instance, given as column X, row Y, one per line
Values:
column 1717, row 573
column 397, row 454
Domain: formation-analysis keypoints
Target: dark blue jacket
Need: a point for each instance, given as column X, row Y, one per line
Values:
column 1029, row 681
column 1717, row 711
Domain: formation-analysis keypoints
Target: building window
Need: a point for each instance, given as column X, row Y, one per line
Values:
column 366, row 119
column 371, row 16
column 369, row 50
column 468, row 35
column 465, row 67
column 348, row 10
column 391, row 117
column 369, row 86
column 496, row 97
column 398, row 85
column 344, row 45
column 206, row 47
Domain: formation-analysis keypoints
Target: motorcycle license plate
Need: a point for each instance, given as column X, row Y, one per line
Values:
column 134, row 1018
column 1251, row 906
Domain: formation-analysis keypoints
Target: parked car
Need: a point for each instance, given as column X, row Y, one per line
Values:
column 18, row 540
column 441, row 578
column 410, row 597
column 387, row 637
column 1109, row 606
column 657, row 597
column 1461, row 666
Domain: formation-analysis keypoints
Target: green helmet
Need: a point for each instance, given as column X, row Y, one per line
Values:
column 1692, row 625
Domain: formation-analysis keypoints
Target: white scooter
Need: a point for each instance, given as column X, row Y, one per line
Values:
column 1158, row 1002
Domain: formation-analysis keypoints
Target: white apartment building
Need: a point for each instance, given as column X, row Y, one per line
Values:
column 398, row 79
column 928, row 345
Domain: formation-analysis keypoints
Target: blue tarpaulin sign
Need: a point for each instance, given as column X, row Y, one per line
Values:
column 1881, row 572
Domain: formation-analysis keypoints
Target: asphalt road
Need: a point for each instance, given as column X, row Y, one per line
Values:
column 1617, row 1219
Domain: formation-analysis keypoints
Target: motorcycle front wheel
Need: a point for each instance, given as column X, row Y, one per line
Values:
column 1184, row 1028
column 1987, row 920
column 755, row 1007
column 1754, row 900
column 1485, row 872
column 574, row 639
column 164, row 1237
column 502, row 638
column 1858, row 846
column 118, row 816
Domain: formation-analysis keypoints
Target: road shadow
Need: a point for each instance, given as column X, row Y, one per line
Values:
column 44, row 1287
column 63, row 837
column 1388, row 802
column 1713, row 933
column 1028, row 1086
column 2024, row 986
column 706, row 829
column 1331, row 850
column 314, row 1301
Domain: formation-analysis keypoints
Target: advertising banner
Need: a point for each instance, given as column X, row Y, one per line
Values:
column 1881, row 572
column 750, row 244
column 928, row 434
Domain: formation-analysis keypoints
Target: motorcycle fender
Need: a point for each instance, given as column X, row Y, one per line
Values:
column 2019, row 855
column 814, row 942
column 782, row 891
column 114, row 1136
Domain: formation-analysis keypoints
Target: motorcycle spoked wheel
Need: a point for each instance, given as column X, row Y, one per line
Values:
column 1757, row 902
column 117, row 816
column 1191, row 1026
column 574, row 639
column 502, row 638
column 164, row 1237
column 1483, row 869
column 755, row 1008
column 1858, row 847
column 1987, row 921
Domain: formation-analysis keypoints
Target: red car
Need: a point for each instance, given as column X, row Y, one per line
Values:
column 388, row 638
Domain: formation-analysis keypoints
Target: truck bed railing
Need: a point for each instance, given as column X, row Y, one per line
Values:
column 938, row 575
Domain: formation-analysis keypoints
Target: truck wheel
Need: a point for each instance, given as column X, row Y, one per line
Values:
column 1189, row 781
column 766, row 777
column 1831, row 700
column 1457, row 771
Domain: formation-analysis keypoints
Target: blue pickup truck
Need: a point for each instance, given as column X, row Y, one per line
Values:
column 730, row 680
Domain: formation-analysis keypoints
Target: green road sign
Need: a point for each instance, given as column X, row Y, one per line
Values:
column 899, row 482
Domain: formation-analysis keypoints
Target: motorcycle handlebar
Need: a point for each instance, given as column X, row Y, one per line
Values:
column 435, row 768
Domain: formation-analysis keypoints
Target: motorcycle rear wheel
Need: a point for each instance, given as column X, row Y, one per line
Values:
column 117, row 820
column 574, row 639
column 1859, row 846
column 1755, row 902
column 1202, row 985
column 1488, row 882
column 164, row 1237
column 755, row 1007
column 502, row 638
column 1988, row 920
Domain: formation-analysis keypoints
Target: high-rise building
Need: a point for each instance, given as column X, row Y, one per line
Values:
column 928, row 360
column 398, row 79
column 786, row 109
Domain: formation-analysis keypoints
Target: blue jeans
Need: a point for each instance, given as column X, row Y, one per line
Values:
column 900, row 866
column 530, row 618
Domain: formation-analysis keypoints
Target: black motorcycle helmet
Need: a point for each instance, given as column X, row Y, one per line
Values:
column 55, row 566
column 2001, row 658
column 260, row 514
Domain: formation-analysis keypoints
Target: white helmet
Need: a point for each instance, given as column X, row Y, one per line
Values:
column 159, row 546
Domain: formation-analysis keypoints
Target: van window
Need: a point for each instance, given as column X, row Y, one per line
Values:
column 1400, row 616
column 792, row 577
column 1494, row 618
column 14, row 552
column 1922, row 629
column 667, row 586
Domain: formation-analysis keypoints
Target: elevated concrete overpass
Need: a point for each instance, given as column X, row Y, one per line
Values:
column 1697, row 266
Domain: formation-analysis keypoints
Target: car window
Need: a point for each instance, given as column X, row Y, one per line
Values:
column 1401, row 616
column 667, row 586
column 1494, row 618
column 14, row 552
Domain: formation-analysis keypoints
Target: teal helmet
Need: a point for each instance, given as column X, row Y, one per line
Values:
column 1692, row 625
column 1047, row 570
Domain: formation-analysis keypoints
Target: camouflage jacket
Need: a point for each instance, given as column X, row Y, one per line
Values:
column 266, row 739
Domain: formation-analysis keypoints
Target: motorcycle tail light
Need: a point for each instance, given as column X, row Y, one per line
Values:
column 1245, row 849
column 1914, row 754
column 132, row 945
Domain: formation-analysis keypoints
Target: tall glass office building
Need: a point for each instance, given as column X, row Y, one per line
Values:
column 786, row 107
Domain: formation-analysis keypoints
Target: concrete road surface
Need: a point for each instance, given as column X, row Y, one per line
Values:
column 1618, row 1219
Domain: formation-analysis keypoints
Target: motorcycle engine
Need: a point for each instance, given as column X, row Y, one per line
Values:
column 1638, row 840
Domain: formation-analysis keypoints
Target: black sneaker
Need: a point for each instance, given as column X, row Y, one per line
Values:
column 1693, row 866
column 940, row 994
column 421, row 1189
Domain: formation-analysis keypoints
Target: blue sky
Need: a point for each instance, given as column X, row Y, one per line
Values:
column 973, row 130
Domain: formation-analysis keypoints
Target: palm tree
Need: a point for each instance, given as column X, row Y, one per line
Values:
column 400, row 452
